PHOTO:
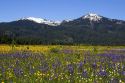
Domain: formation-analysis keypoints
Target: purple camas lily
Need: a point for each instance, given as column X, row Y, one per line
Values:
column 102, row 73
column 84, row 74
column 101, row 66
column 67, row 51
column 2, row 69
column 70, row 69
column 18, row 72
column 80, row 67
column 56, row 64
column 123, row 73
column 94, row 65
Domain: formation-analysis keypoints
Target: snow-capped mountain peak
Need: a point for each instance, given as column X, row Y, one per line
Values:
column 43, row 21
column 92, row 17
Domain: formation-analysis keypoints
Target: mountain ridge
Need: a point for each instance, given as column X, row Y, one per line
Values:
column 84, row 16
column 90, row 16
column 90, row 29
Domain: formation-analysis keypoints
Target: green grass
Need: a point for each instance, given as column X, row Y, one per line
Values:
column 62, row 64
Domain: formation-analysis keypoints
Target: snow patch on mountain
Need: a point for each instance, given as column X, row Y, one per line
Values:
column 92, row 17
column 43, row 21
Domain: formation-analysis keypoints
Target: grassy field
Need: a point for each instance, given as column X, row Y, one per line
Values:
column 62, row 64
column 46, row 48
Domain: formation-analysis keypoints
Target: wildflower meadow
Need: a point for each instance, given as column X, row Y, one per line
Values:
column 62, row 64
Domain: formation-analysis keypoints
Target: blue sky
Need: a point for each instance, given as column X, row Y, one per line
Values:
column 60, row 9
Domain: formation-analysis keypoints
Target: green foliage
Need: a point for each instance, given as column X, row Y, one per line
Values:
column 13, row 44
column 54, row 50
column 76, row 32
column 55, row 67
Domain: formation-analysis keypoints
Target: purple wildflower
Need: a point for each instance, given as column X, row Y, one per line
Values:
column 85, row 74
column 102, row 73
column 18, row 72
column 70, row 69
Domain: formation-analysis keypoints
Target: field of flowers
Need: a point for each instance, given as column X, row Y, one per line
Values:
column 62, row 64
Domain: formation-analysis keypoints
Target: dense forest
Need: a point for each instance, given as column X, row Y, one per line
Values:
column 78, row 31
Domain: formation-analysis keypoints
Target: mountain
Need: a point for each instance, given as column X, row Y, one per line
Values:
column 90, row 29
column 92, row 17
column 42, row 21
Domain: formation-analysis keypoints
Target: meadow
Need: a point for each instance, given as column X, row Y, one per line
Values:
column 62, row 64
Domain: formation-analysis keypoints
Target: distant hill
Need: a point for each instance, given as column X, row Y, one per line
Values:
column 90, row 29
